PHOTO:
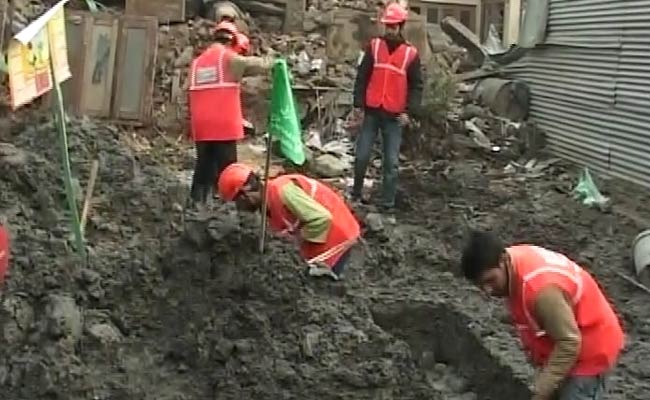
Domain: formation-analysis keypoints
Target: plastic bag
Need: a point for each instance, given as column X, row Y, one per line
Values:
column 587, row 192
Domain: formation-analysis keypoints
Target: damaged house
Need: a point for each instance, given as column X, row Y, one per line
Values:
column 587, row 64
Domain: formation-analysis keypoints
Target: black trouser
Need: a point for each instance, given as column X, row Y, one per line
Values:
column 212, row 157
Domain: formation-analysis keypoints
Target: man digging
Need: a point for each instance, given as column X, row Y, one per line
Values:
column 300, row 207
column 564, row 320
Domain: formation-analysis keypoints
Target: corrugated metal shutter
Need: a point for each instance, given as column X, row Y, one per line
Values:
column 590, row 83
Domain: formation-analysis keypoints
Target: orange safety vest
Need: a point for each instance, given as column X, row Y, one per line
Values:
column 602, row 336
column 4, row 252
column 344, row 230
column 388, row 85
column 214, row 97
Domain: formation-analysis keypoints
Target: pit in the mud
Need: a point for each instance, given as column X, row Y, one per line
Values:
column 451, row 355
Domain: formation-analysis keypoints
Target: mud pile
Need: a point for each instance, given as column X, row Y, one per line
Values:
column 157, row 313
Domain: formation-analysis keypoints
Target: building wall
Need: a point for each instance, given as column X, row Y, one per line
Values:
column 590, row 85
column 438, row 9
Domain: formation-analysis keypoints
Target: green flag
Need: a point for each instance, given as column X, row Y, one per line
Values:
column 283, row 117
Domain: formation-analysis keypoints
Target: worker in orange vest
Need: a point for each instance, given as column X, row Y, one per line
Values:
column 4, row 253
column 215, row 106
column 564, row 320
column 388, row 88
column 301, row 207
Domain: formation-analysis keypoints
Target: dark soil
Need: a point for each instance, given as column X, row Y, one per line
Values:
column 169, row 306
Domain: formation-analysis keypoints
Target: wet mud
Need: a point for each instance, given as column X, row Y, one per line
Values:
column 172, row 306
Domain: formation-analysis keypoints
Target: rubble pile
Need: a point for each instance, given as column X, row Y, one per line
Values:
column 178, row 44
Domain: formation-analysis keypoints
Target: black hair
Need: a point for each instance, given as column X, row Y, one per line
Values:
column 482, row 251
column 253, row 182
column 223, row 37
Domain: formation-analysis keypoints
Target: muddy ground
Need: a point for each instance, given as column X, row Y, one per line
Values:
column 157, row 313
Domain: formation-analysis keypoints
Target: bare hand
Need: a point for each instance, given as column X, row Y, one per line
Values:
column 403, row 119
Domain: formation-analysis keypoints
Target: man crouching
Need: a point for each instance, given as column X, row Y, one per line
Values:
column 301, row 207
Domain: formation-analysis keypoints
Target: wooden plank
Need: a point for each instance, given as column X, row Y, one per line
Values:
column 76, row 26
column 294, row 15
column 135, row 69
column 99, row 65
column 5, row 24
column 164, row 10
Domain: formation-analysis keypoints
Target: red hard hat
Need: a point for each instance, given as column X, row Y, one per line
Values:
column 394, row 14
column 243, row 44
column 4, row 252
column 226, row 26
column 232, row 180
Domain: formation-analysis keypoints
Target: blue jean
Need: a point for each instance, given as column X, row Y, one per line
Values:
column 583, row 388
column 342, row 262
column 391, row 134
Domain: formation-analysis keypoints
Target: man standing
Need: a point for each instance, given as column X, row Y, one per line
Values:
column 389, row 88
column 564, row 320
column 215, row 107
column 300, row 207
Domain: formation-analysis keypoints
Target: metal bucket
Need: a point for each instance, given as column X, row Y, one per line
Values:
column 641, row 253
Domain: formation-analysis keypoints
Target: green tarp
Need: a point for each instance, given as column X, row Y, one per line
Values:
column 284, row 124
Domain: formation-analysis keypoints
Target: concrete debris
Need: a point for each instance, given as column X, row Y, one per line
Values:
column 374, row 222
column 329, row 166
column 530, row 169
column 478, row 136
column 105, row 333
column 465, row 38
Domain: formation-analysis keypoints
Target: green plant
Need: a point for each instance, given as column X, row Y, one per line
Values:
column 439, row 91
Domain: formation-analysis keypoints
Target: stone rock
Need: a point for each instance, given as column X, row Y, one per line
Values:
column 105, row 333
column 375, row 222
column 11, row 155
column 284, row 371
column 329, row 166
column 185, row 58
column 21, row 317
column 223, row 350
column 309, row 340
column 63, row 318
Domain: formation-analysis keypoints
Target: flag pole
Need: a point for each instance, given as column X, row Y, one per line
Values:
column 265, row 198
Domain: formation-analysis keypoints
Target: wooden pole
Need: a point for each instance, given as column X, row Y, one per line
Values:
column 59, row 117
column 89, row 194
column 265, row 199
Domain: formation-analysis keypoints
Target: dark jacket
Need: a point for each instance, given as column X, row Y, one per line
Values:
column 413, row 74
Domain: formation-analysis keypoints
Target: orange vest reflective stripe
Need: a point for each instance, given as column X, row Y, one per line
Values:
column 602, row 336
column 344, row 229
column 4, row 252
column 388, row 84
column 214, row 97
